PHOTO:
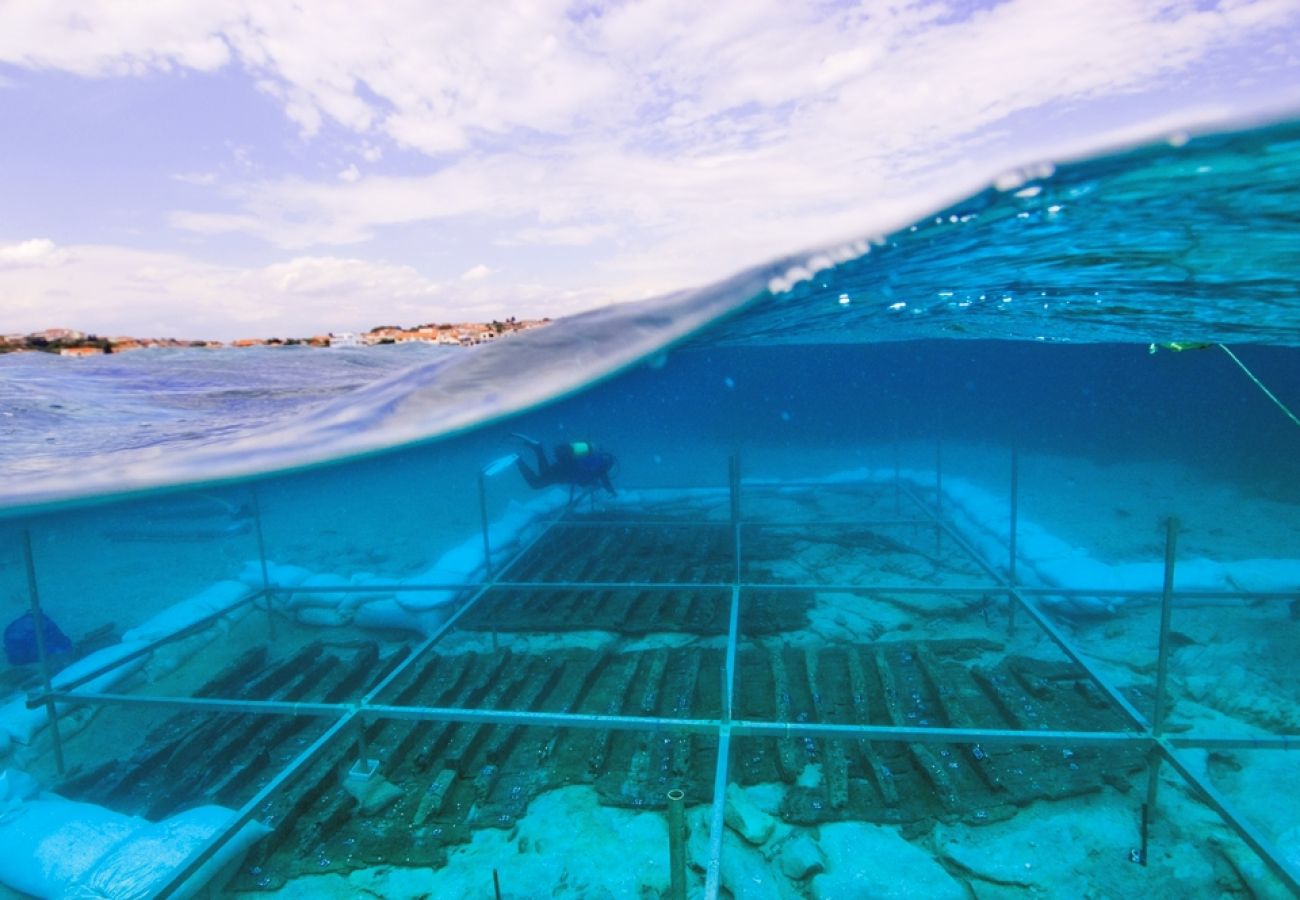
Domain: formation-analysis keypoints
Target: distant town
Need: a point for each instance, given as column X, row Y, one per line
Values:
column 68, row 342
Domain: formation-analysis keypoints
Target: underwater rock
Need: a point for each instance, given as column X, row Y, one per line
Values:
column 874, row 861
column 766, row 797
column 374, row 794
column 1258, row 879
column 801, row 857
column 1234, row 690
column 744, row 872
column 575, row 848
column 746, row 819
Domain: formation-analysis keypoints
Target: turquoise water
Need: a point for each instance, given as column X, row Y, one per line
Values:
column 893, row 378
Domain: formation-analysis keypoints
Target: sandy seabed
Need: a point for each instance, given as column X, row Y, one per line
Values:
column 1233, row 671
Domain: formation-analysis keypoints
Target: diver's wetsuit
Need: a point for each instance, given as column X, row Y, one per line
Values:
column 586, row 470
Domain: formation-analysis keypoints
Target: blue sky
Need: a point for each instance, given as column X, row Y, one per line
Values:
column 231, row 169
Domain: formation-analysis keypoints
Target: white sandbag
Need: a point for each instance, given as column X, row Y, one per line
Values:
column 99, row 659
column 16, row 787
column 136, row 868
column 422, row 601
column 1264, row 574
column 185, row 613
column 321, row 617
column 17, row 722
column 387, row 614
column 282, row 574
column 299, row 598
column 363, row 581
column 51, row 843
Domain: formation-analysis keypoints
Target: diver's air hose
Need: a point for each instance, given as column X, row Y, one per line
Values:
column 1259, row 384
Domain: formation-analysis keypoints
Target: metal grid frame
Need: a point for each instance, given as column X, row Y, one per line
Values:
column 1147, row 733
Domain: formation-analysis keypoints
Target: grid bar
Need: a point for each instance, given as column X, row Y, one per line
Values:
column 1248, row 833
column 1046, row 624
column 822, row 522
column 1185, row 596
column 899, row 733
column 196, row 859
column 527, row 718
column 718, row 815
column 193, row 627
column 38, row 627
column 726, row 727
column 424, row 648
column 245, row 813
column 1264, row 742
column 733, row 628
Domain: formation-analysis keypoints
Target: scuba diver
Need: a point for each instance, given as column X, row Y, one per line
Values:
column 578, row 464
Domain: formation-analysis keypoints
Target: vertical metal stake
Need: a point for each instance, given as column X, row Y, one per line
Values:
column 733, row 484
column 677, row 844
column 938, row 494
column 1166, row 609
column 482, row 507
column 365, row 766
column 38, row 623
column 898, row 474
column 1012, row 536
column 261, row 555
column 1162, row 671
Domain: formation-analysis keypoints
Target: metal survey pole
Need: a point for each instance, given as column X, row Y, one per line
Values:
column 1162, row 676
column 1011, row 538
column 38, row 624
column 898, row 474
column 677, row 844
column 261, row 555
column 733, row 486
column 1166, row 610
column 938, row 493
column 483, row 513
column 364, row 766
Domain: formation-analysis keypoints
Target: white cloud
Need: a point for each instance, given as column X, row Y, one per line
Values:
column 121, row 291
column 560, row 235
column 102, row 37
column 677, row 115
column 476, row 273
column 30, row 253
column 198, row 179
column 115, row 290
column 681, row 140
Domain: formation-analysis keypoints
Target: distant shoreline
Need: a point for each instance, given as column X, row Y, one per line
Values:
column 69, row 342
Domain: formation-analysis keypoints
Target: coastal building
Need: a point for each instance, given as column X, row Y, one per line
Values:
column 82, row 351
column 59, row 334
column 344, row 339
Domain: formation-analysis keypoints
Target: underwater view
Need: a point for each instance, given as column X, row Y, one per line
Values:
column 962, row 560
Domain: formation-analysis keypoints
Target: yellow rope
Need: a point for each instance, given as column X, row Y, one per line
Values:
column 1259, row 384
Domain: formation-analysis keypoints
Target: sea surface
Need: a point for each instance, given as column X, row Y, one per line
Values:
column 1190, row 240
column 1122, row 332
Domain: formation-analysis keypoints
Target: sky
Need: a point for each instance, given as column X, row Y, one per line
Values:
column 290, row 168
